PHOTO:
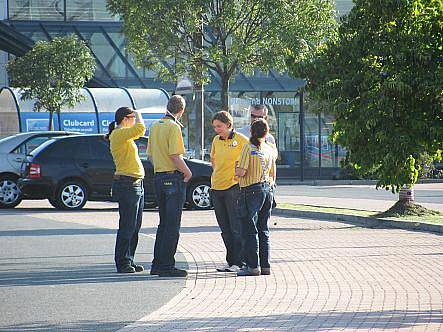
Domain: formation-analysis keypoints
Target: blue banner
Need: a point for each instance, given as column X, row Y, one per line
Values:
column 79, row 122
column 37, row 121
column 107, row 117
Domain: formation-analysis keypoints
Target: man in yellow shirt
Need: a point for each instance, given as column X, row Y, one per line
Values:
column 225, row 150
column 171, row 173
column 127, row 187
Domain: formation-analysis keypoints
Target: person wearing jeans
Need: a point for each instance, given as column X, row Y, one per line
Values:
column 225, row 150
column 130, row 196
column 166, row 149
column 171, row 193
column 256, row 169
column 127, row 187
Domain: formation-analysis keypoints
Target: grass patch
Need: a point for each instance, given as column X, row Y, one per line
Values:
column 434, row 218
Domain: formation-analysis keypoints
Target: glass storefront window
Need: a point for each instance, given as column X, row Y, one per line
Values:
column 311, row 140
column 90, row 10
column 288, row 139
column 54, row 10
column 331, row 154
column 36, row 10
column 107, row 55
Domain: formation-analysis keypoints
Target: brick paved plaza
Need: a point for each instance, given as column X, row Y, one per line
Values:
column 327, row 276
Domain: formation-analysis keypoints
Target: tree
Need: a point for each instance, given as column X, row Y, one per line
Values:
column 382, row 79
column 237, row 35
column 53, row 73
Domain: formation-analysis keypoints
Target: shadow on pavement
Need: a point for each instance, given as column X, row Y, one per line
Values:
column 84, row 325
column 331, row 321
column 81, row 274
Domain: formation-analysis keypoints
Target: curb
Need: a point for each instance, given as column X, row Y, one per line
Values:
column 369, row 222
column 290, row 181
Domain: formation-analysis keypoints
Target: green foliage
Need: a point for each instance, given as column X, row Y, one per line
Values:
column 53, row 73
column 382, row 79
column 238, row 34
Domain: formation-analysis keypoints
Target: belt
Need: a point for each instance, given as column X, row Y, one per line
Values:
column 255, row 185
column 169, row 172
column 125, row 177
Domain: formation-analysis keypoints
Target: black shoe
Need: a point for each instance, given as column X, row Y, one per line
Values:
column 126, row 269
column 174, row 272
column 154, row 272
column 138, row 268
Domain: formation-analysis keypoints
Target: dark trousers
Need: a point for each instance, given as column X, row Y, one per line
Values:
column 130, row 198
column 255, row 224
column 170, row 193
column 229, row 223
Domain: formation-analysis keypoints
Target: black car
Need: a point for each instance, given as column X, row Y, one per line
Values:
column 68, row 171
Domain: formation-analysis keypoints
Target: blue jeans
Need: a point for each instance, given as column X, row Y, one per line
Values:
column 130, row 198
column 258, row 202
column 170, row 192
column 229, row 223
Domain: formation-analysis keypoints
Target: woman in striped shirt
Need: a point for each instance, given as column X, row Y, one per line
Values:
column 256, row 171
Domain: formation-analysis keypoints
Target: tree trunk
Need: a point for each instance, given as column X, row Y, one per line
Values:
column 199, row 121
column 406, row 195
column 224, row 93
column 51, row 113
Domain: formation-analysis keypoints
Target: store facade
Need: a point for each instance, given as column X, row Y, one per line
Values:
column 305, row 150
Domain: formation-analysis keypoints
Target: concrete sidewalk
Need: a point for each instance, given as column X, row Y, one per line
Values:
column 357, row 196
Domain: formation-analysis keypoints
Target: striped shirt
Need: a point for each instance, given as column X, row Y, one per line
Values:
column 250, row 161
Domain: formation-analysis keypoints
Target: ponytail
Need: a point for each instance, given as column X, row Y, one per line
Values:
column 259, row 129
column 255, row 141
column 111, row 127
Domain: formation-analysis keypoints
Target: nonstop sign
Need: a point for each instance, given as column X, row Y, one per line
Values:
column 265, row 101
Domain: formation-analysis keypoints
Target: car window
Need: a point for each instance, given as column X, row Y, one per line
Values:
column 31, row 144
column 99, row 149
column 92, row 148
column 142, row 145
column 61, row 148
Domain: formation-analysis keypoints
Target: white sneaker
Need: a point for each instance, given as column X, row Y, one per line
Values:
column 233, row 268
column 223, row 268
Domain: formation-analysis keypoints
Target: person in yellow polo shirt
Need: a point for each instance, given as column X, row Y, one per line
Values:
column 256, row 169
column 225, row 150
column 127, row 187
column 166, row 149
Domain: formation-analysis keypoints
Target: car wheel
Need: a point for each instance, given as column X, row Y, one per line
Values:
column 71, row 195
column 10, row 194
column 199, row 195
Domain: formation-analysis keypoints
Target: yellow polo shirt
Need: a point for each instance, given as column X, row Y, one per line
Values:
column 165, row 139
column 225, row 153
column 125, row 152
column 250, row 161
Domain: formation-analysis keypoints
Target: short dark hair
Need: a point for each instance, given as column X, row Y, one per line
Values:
column 175, row 104
column 260, row 107
column 224, row 117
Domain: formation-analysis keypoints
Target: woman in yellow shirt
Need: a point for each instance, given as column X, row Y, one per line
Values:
column 256, row 169
column 225, row 150
column 127, row 187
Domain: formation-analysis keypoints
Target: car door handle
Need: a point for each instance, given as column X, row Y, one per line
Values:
column 84, row 165
column 18, row 160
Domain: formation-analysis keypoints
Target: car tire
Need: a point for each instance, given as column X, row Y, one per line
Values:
column 10, row 194
column 199, row 195
column 70, row 195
